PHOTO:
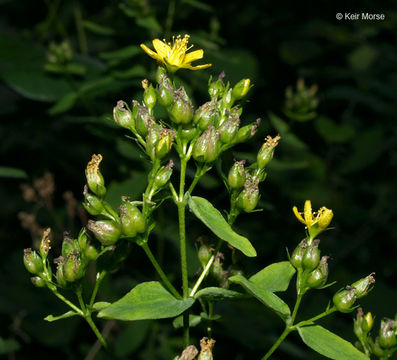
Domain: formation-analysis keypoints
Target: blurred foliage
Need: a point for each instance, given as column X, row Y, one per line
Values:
column 63, row 67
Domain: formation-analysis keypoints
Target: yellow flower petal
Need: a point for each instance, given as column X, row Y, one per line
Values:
column 198, row 67
column 193, row 56
column 308, row 213
column 324, row 217
column 151, row 53
column 298, row 215
column 161, row 47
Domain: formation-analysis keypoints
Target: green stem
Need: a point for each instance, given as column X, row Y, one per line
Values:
column 100, row 276
column 296, row 307
column 282, row 337
column 315, row 318
column 160, row 271
column 202, row 276
column 80, row 28
column 67, row 302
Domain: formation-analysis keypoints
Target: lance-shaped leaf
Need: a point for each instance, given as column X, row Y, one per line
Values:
column 265, row 296
column 329, row 344
column 216, row 294
column 68, row 314
column 214, row 220
column 146, row 301
column 275, row 277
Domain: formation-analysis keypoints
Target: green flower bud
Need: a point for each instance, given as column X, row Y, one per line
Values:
column 143, row 119
column 163, row 175
column 266, row 152
column 92, row 203
column 217, row 270
column 247, row 132
column 363, row 286
column 82, row 239
column 237, row 176
column 387, row 333
column 94, row 177
column 161, row 72
column 38, row 281
column 164, row 144
column 165, row 92
column 189, row 133
column 206, row 349
column 32, row 261
column 73, row 268
column 61, row 281
column 152, row 139
column 122, row 115
column 107, row 232
column 362, row 324
column 318, row 277
column 181, row 111
column 249, row 197
column 297, row 256
column 91, row 253
column 227, row 99
column 68, row 245
column 311, row 257
column 131, row 219
column 207, row 147
column 228, row 130
column 204, row 252
column 149, row 96
column 217, row 88
column 205, row 115
column 241, row 89
column 344, row 300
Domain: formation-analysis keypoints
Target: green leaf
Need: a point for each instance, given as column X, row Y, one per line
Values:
column 328, row 344
column 333, row 132
column 146, row 301
column 8, row 346
column 194, row 320
column 10, row 172
column 275, row 277
column 213, row 219
column 51, row 318
column 266, row 297
column 98, row 29
column 216, row 294
column 131, row 338
column 121, row 54
column 63, row 104
column 100, row 305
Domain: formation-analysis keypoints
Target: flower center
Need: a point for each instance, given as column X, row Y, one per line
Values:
column 178, row 49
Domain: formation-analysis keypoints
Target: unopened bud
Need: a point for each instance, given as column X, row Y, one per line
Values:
column 247, row 132
column 68, row 245
column 181, row 111
column 311, row 257
column 161, row 72
column 152, row 140
column 237, row 176
column 92, row 203
column 32, row 261
column 149, row 96
column 229, row 130
column 82, row 239
column 363, row 286
column 216, row 88
column 297, row 256
column 249, row 197
column 163, row 175
column 45, row 244
column 73, row 268
column 38, row 281
column 122, row 115
column 143, row 119
column 164, row 144
column 387, row 334
column 228, row 99
column 318, row 277
column 241, row 89
column 344, row 300
column 266, row 152
column 205, row 114
column 204, row 253
column 94, row 177
column 206, row 149
column 131, row 219
column 107, row 232
column 165, row 92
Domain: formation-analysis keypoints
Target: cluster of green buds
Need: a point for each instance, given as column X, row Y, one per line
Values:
column 302, row 104
column 60, row 53
column 243, row 182
column 385, row 344
column 345, row 299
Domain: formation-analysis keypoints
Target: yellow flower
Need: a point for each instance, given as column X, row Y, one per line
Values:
column 315, row 222
column 174, row 55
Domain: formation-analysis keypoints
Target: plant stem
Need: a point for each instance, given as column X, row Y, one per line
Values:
column 315, row 318
column 285, row 333
column 100, row 276
column 66, row 301
column 80, row 28
column 296, row 307
column 160, row 271
column 202, row 276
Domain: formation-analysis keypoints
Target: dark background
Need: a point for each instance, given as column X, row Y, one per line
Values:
column 344, row 158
